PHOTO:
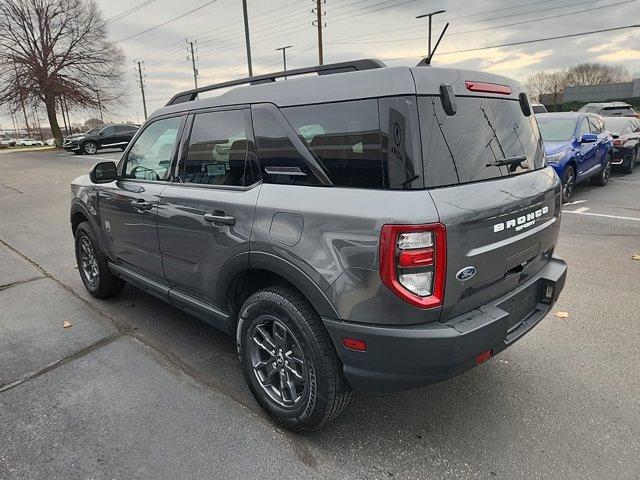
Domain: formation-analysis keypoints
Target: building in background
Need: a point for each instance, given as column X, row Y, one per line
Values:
column 602, row 93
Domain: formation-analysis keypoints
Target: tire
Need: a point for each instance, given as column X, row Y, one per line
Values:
column 90, row 148
column 568, row 183
column 632, row 163
column 282, row 341
column 92, row 265
column 602, row 178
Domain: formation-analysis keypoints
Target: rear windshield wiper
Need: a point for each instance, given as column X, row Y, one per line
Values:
column 517, row 160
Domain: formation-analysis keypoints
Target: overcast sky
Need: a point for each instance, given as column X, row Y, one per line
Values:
column 358, row 29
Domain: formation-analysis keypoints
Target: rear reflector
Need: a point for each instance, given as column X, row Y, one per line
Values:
column 483, row 357
column 488, row 87
column 354, row 344
column 415, row 258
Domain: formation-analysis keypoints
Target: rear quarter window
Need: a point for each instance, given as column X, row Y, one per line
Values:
column 464, row 147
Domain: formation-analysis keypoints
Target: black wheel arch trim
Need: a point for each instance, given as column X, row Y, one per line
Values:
column 287, row 270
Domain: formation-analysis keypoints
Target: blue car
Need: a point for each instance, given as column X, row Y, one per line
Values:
column 578, row 147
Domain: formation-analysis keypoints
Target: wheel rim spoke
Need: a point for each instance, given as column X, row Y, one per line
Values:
column 278, row 363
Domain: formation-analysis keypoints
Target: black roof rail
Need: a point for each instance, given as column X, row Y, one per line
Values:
column 355, row 65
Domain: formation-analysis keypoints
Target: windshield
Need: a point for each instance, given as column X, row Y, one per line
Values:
column 94, row 130
column 556, row 129
column 470, row 145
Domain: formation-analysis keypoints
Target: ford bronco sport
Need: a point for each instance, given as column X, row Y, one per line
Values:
column 360, row 227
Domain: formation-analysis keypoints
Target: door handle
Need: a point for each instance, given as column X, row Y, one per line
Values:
column 141, row 205
column 219, row 218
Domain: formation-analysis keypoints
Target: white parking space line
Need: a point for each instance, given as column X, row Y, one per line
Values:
column 575, row 202
column 583, row 211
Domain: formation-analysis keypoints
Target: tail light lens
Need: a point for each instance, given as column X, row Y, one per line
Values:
column 413, row 262
column 617, row 142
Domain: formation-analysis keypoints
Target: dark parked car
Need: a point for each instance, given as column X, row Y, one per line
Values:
column 369, row 227
column 610, row 109
column 102, row 136
column 626, row 141
column 578, row 147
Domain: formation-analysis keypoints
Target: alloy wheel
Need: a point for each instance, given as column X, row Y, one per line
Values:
column 88, row 262
column 90, row 148
column 277, row 361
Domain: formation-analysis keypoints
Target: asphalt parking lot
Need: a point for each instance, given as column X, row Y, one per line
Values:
column 137, row 389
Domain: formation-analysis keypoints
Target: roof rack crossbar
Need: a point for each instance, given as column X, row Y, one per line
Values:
column 356, row 65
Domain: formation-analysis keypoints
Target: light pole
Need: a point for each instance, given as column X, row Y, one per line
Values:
column 437, row 12
column 284, row 55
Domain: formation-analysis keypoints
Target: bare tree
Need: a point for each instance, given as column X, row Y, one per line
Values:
column 537, row 85
column 596, row 74
column 557, row 82
column 54, row 48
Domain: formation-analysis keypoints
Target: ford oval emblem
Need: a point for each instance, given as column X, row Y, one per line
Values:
column 466, row 273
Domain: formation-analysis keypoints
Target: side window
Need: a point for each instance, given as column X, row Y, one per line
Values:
column 593, row 125
column 584, row 128
column 276, row 151
column 344, row 137
column 150, row 156
column 107, row 131
column 218, row 148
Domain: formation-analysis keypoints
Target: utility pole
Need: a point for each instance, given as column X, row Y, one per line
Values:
column 246, row 36
column 318, row 23
column 141, row 84
column 284, row 56
column 65, row 112
column 99, row 106
column 193, row 62
column 430, row 15
column 64, row 118
column 15, row 125
column 24, row 110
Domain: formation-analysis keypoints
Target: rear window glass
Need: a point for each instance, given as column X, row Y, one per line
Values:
column 467, row 146
column 617, row 111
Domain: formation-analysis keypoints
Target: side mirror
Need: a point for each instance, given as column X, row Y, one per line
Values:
column 589, row 138
column 103, row 172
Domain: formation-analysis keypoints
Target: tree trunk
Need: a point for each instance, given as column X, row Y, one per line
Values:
column 50, row 103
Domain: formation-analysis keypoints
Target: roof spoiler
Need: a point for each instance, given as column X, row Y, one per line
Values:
column 355, row 65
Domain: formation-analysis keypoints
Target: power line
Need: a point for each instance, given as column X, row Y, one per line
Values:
column 126, row 13
column 525, row 42
column 533, row 20
column 168, row 21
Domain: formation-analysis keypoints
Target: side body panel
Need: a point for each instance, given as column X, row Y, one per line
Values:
column 129, row 216
column 338, row 242
column 195, row 251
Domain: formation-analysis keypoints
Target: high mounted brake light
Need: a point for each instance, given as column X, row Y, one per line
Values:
column 413, row 262
column 484, row 87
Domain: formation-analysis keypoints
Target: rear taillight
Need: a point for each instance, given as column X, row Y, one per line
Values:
column 617, row 142
column 413, row 262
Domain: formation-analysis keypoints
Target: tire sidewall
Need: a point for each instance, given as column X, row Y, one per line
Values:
column 564, row 181
column 262, row 303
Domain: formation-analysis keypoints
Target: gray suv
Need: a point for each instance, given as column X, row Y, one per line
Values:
column 354, row 226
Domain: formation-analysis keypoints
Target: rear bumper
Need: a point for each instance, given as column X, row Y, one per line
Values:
column 622, row 156
column 399, row 358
